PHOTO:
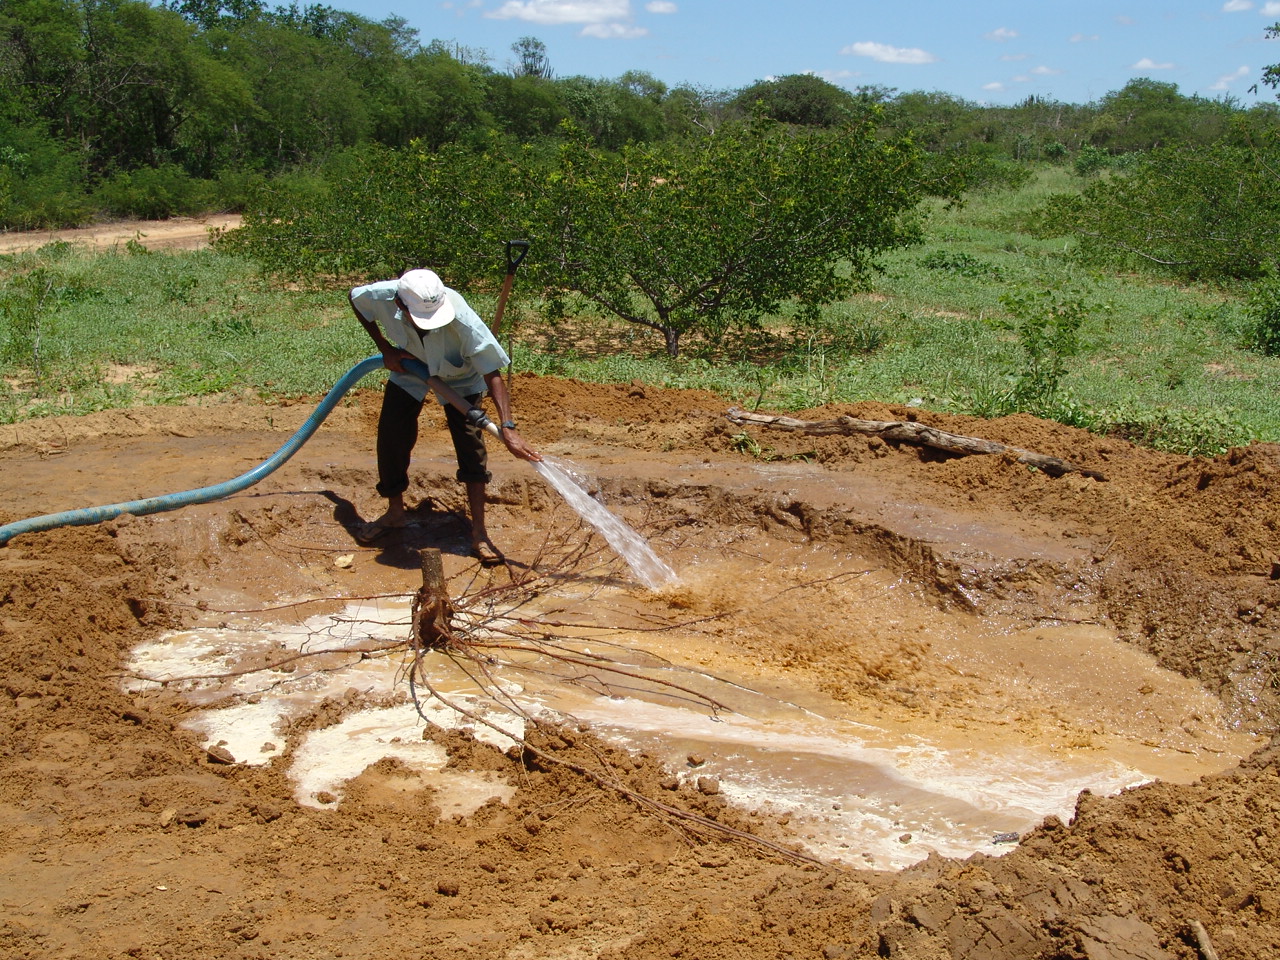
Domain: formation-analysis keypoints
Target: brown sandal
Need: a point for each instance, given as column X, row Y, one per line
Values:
column 486, row 553
column 371, row 532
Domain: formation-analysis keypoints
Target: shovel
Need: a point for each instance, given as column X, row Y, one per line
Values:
column 516, row 250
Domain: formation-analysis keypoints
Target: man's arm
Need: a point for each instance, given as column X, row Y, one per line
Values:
column 502, row 400
column 391, row 354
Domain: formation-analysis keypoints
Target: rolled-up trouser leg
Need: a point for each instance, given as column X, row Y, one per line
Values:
column 397, row 434
column 468, row 445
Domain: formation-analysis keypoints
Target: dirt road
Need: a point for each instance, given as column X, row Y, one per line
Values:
column 178, row 233
column 966, row 631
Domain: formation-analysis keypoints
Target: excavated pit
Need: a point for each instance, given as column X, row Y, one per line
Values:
column 887, row 696
column 910, row 655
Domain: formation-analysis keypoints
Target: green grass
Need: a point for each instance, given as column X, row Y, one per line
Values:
column 1162, row 364
column 123, row 328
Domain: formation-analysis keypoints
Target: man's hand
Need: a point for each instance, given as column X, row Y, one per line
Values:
column 516, row 444
column 393, row 358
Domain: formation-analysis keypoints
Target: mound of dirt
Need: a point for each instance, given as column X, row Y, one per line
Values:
column 965, row 600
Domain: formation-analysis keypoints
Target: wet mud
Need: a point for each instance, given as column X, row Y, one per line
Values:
column 897, row 703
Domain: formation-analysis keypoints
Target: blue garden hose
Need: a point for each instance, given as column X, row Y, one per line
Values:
column 173, row 501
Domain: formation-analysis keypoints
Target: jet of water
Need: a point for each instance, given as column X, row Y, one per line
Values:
column 633, row 548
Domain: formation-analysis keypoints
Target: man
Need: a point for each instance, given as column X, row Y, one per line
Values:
column 423, row 318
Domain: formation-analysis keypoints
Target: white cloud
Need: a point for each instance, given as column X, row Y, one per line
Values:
column 614, row 31
column 887, row 54
column 563, row 11
column 1001, row 34
column 1270, row 9
column 1084, row 38
column 660, row 6
column 1045, row 71
column 1013, row 57
column 1235, row 6
column 1146, row 63
column 993, row 87
column 1225, row 81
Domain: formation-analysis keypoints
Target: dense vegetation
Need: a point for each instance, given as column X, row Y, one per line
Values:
column 788, row 243
column 129, row 108
column 978, row 318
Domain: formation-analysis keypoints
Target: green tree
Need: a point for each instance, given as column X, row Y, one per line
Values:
column 939, row 122
column 526, row 107
column 718, row 234
column 798, row 98
column 616, row 112
column 531, row 59
column 1147, row 114
column 103, row 72
column 129, row 84
column 390, row 210
column 683, row 240
column 1198, row 212
column 642, row 102
column 694, row 111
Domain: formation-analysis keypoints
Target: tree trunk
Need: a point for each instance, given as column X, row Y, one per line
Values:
column 907, row 432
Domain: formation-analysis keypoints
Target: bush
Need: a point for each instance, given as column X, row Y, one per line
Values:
column 1090, row 161
column 963, row 264
column 1194, row 434
column 154, row 193
column 40, row 182
column 1263, row 312
column 1046, row 324
column 233, row 189
column 1196, row 213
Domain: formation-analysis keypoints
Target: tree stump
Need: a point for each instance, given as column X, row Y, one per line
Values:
column 432, row 610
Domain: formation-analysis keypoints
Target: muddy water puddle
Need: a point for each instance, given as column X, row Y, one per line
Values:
column 819, row 689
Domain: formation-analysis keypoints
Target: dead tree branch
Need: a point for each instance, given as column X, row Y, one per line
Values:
column 901, row 431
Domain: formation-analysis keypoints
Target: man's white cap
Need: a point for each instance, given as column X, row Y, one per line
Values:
column 422, row 292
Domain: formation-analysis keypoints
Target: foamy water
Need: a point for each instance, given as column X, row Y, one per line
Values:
column 856, row 791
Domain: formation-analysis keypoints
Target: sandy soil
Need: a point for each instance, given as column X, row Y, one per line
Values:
column 178, row 233
column 966, row 602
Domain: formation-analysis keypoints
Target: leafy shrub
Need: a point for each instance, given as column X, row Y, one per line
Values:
column 1090, row 161
column 963, row 264
column 1047, row 326
column 154, row 193
column 1055, row 151
column 28, row 303
column 1205, row 434
column 41, row 179
column 233, row 189
column 1197, row 213
column 1262, row 330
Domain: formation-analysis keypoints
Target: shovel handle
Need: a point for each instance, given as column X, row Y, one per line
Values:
column 516, row 250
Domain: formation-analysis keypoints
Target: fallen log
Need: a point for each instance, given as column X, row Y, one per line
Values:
column 902, row 431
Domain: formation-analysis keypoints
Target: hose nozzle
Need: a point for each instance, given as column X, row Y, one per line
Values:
column 478, row 418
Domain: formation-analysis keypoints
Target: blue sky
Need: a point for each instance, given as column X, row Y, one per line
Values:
column 985, row 51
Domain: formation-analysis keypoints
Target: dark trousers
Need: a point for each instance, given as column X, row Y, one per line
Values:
column 398, row 432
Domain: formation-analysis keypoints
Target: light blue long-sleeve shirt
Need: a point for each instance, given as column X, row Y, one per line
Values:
column 460, row 353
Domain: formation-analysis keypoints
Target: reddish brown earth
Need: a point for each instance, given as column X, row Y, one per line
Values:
column 124, row 836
